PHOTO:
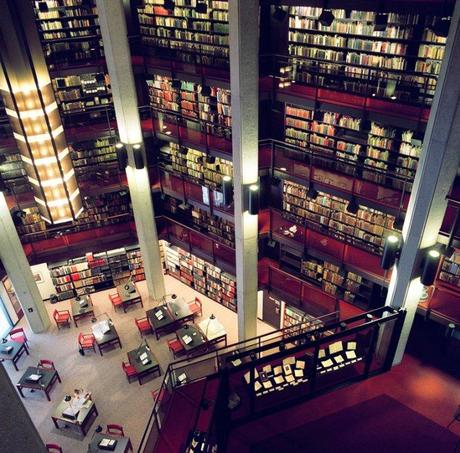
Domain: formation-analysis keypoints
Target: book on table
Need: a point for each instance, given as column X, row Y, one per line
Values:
column 187, row 339
column 159, row 315
column 350, row 355
column 34, row 377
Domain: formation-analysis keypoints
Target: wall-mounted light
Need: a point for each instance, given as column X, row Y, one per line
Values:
column 430, row 267
column 380, row 22
column 312, row 192
column 201, row 7
column 122, row 156
column 205, row 90
column 326, row 18
column 390, row 252
column 169, row 5
column 227, row 190
column 138, row 156
column 285, row 69
column 279, row 14
column 399, row 222
column 254, row 199
column 352, row 206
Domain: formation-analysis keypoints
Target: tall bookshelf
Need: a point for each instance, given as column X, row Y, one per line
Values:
column 204, row 277
column 367, row 228
column 341, row 283
column 352, row 55
column 195, row 164
column 83, row 93
column 349, row 142
column 13, row 172
column 94, row 160
column 208, row 113
column 69, row 31
column 220, row 229
column 185, row 34
column 97, row 271
column 450, row 270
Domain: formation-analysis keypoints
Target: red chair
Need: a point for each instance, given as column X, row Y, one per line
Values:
column 61, row 317
column 19, row 336
column 175, row 346
column 53, row 448
column 157, row 394
column 43, row 363
column 129, row 370
column 115, row 430
column 86, row 342
column 143, row 325
column 196, row 307
column 116, row 300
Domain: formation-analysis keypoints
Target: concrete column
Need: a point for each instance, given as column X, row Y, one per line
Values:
column 118, row 57
column 17, row 431
column 437, row 168
column 244, row 76
column 17, row 267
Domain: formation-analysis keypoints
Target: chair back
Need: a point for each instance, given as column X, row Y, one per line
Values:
column 53, row 448
column 55, row 314
column 44, row 363
column 115, row 430
column 17, row 331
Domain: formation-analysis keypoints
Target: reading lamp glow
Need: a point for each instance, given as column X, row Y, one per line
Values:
column 227, row 190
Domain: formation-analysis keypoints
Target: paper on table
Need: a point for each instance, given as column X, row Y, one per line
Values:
column 187, row 339
column 351, row 345
column 338, row 359
column 159, row 315
column 267, row 384
column 277, row 370
column 34, row 377
column 267, row 369
column 289, row 378
column 289, row 361
column 327, row 363
column 300, row 364
column 143, row 356
column 236, row 362
column 298, row 373
column 279, row 379
column 321, row 353
column 287, row 369
column 336, row 347
column 257, row 386
column 350, row 355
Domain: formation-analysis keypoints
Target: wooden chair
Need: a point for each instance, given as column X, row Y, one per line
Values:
column 44, row 363
column 143, row 325
column 53, row 448
column 115, row 430
column 19, row 336
column 196, row 307
column 130, row 371
column 175, row 346
column 86, row 342
column 116, row 300
column 61, row 317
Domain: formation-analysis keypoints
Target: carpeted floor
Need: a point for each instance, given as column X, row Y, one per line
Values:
column 379, row 425
column 117, row 401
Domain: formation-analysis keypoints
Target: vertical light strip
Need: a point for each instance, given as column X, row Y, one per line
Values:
column 31, row 107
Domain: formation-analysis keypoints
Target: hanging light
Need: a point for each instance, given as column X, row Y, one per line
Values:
column 441, row 27
column 169, row 5
column 205, row 90
column 312, row 192
column 279, row 14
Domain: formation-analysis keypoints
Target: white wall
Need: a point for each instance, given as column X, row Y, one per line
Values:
column 45, row 286
column 6, row 301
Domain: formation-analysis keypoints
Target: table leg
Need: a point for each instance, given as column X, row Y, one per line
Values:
column 47, row 395
column 119, row 342
column 100, row 350
column 58, row 377
column 26, row 349
column 55, row 422
column 14, row 364
column 20, row 390
column 75, row 322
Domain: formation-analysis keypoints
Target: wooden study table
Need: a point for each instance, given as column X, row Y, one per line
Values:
column 166, row 318
column 106, row 335
column 129, row 295
column 198, row 340
column 123, row 443
column 81, row 308
column 12, row 350
column 83, row 417
column 45, row 383
column 150, row 365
